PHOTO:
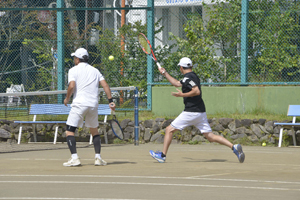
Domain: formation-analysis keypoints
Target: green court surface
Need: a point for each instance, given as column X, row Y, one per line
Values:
column 207, row 171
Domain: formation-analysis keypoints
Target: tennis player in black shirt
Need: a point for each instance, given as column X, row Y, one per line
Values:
column 194, row 112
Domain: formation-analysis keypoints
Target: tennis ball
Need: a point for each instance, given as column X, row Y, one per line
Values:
column 263, row 144
column 111, row 58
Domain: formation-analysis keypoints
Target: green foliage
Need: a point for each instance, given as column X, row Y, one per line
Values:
column 194, row 142
column 118, row 141
column 198, row 47
column 130, row 64
column 274, row 31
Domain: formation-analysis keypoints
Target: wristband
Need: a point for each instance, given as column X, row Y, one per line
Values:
column 110, row 100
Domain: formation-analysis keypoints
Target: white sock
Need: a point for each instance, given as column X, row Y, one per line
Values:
column 74, row 156
column 97, row 156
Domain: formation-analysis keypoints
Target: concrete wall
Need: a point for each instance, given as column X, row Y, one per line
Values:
column 273, row 99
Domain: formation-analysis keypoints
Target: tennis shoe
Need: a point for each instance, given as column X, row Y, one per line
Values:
column 157, row 156
column 99, row 162
column 237, row 149
column 72, row 162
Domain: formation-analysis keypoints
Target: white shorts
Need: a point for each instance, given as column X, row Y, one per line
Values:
column 199, row 120
column 77, row 115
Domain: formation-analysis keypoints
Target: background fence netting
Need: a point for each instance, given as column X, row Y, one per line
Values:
column 209, row 32
column 16, row 106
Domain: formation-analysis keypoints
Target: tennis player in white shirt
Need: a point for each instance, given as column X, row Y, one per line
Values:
column 84, row 80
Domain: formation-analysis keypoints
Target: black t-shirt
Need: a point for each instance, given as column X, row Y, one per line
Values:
column 196, row 103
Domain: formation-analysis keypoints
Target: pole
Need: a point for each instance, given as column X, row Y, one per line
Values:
column 150, row 36
column 122, row 47
column 136, row 116
column 60, row 50
column 244, row 42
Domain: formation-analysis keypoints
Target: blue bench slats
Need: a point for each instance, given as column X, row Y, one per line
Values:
column 40, row 122
column 294, row 111
column 58, row 109
column 287, row 124
column 61, row 109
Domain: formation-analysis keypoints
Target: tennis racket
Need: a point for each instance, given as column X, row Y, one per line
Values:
column 147, row 48
column 116, row 128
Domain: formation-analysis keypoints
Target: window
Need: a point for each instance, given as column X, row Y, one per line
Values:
column 183, row 17
column 166, row 23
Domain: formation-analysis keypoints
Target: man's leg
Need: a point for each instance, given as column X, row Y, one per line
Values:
column 74, row 160
column 168, row 138
column 97, row 146
column 217, row 138
column 161, row 156
column 237, row 148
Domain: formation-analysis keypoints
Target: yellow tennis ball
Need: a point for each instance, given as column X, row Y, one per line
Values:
column 263, row 144
column 111, row 58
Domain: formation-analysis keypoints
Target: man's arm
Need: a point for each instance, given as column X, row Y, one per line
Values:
column 172, row 80
column 69, row 92
column 107, row 91
column 194, row 92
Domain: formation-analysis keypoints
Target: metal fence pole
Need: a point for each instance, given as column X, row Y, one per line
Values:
column 150, row 36
column 60, row 49
column 136, row 116
column 244, row 42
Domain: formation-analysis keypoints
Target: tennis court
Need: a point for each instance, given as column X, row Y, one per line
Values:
column 206, row 171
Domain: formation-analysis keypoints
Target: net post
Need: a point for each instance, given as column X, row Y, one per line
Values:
column 20, row 134
column 136, row 117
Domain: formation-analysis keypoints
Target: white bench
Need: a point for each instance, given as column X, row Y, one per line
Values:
column 58, row 109
column 293, row 111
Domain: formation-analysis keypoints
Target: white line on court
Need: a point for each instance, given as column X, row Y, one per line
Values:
column 250, row 151
column 54, row 159
column 151, row 177
column 151, row 184
column 259, row 150
column 42, row 198
column 127, row 160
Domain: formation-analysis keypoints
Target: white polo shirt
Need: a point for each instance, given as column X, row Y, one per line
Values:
column 87, row 80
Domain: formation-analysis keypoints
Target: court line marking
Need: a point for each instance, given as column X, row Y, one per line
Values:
column 127, row 160
column 63, row 198
column 55, row 159
column 153, row 177
column 151, row 184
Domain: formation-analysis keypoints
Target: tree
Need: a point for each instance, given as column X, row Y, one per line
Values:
column 274, row 33
column 132, row 58
column 199, row 47
column 11, row 32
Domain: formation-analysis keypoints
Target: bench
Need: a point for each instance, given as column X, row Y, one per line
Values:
column 58, row 109
column 293, row 111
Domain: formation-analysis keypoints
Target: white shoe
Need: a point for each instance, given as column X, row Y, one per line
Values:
column 72, row 162
column 99, row 162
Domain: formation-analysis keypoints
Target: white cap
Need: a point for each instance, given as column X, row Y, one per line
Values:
column 79, row 53
column 185, row 62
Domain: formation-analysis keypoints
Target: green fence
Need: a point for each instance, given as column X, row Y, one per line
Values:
column 231, row 42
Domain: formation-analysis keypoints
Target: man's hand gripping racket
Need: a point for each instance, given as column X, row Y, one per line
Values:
column 147, row 48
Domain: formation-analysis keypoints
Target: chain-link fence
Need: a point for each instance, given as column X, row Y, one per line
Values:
column 231, row 42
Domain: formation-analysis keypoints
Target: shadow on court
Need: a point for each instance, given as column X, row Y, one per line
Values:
column 206, row 171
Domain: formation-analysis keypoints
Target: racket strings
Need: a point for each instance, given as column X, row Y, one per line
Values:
column 116, row 129
column 144, row 44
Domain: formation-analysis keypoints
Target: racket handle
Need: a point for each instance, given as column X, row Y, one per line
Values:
column 158, row 65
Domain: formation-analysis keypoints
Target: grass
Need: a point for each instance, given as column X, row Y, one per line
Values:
column 146, row 115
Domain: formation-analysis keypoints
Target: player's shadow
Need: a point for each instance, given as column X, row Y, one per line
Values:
column 120, row 163
column 202, row 160
column 115, row 163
